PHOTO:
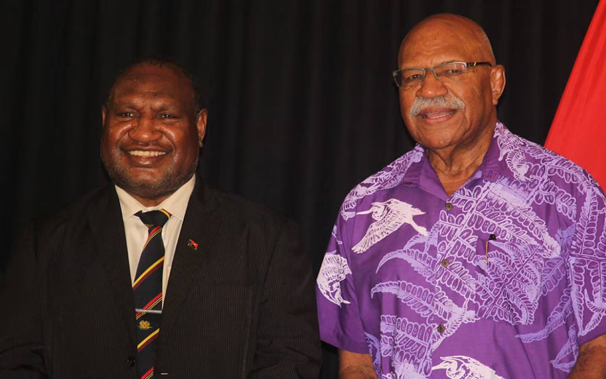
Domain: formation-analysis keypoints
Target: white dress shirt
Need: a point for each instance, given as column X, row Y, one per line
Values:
column 136, row 231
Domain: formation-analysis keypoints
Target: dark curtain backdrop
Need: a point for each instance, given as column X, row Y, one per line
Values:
column 301, row 100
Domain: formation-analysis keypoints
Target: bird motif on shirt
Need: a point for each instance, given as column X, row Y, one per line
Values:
column 390, row 216
column 333, row 271
column 462, row 367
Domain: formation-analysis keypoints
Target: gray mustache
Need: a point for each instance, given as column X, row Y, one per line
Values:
column 450, row 101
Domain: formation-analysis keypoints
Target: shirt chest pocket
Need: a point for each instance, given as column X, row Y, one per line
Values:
column 509, row 279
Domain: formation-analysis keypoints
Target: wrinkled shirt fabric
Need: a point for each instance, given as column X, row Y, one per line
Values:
column 504, row 279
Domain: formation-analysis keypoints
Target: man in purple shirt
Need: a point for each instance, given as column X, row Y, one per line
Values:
column 478, row 254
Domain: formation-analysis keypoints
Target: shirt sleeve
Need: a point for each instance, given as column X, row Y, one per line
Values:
column 338, row 311
column 587, row 266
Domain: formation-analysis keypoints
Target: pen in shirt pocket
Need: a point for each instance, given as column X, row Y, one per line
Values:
column 492, row 237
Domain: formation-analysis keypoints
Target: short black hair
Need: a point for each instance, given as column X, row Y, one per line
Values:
column 161, row 61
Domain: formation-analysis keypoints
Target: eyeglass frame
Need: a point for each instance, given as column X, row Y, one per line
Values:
column 467, row 65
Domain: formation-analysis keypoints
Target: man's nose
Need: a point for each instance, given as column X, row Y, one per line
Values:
column 431, row 86
column 145, row 130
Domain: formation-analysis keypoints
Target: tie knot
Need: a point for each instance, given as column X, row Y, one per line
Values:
column 154, row 218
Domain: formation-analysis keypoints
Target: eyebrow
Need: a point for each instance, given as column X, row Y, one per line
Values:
column 439, row 64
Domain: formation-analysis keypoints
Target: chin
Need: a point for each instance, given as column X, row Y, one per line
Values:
column 434, row 144
column 146, row 186
column 147, row 189
column 149, row 193
column 148, row 183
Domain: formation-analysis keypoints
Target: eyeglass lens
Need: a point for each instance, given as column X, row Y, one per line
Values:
column 411, row 77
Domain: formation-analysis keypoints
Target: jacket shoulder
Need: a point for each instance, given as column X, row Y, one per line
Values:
column 71, row 215
column 238, row 208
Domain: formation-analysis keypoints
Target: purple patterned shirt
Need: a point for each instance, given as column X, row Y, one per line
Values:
column 504, row 279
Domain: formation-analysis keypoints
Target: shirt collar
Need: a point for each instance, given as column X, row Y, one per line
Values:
column 175, row 204
column 491, row 168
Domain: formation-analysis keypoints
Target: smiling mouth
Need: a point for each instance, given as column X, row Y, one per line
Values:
column 145, row 153
column 436, row 114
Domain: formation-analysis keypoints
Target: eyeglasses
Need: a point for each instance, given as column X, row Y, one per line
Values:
column 410, row 77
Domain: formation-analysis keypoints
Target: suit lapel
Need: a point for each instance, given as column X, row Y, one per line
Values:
column 202, row 220
column 108, row 233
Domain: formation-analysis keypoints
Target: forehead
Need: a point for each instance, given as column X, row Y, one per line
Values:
column 438, row 41
column 153, row 82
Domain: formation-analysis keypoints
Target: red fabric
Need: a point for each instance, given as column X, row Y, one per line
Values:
column 578, row 131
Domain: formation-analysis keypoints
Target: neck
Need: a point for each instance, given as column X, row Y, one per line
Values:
column 455, row 165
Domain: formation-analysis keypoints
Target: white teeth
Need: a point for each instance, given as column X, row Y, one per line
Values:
column 142, row 153
column 434, row 115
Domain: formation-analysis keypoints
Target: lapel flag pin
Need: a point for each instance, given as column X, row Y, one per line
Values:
column 193, row 244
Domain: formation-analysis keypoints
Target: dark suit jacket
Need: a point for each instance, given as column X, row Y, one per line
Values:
column 241, row 305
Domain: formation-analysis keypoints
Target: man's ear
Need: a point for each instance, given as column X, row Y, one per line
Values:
column 103, row 114
column 201, row 121
column 497, row 82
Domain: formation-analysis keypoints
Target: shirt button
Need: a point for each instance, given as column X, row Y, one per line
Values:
column 441, row 328
column 492, row 237
column 130, row 361
column 445, row 263
column 448, row 206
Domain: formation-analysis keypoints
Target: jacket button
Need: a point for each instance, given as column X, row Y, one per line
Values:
column 130, row 361
column 448, row 206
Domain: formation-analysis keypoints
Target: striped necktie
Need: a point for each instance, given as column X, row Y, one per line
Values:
column 147, row 290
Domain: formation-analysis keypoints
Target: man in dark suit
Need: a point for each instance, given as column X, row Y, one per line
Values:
column 239, row 298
